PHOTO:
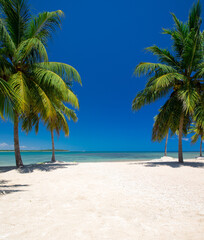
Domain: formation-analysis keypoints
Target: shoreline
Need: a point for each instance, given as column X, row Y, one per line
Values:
column 168, row 158
column 8, row 159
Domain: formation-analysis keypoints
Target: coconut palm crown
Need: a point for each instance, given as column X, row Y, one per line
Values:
column 179, row 75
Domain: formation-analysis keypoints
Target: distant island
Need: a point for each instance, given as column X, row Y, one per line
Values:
column 44, row 150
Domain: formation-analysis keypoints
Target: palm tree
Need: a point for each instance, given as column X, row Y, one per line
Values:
column 25, row 62
column 198, row 125
column 57, row 123
column 60, row 123
column 156, row 136
column 198, row 131
column 179, row 74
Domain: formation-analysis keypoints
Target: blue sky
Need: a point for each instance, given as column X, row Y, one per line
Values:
column 104, row 41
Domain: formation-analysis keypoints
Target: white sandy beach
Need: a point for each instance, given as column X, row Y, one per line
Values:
column 90, row 201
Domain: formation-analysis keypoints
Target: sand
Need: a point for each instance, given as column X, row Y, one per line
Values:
column 159, row 199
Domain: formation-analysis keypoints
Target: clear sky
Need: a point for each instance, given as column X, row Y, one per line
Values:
column 104, row 40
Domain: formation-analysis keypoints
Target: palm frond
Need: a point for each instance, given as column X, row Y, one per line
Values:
column 6, row 39
column 195, row 21
column 65, row 71
column 44, row 25
column 18, row 84
column 5, row 96
column 190, row 98
column 16, row 15
column 69, row 113
column 50, row 79
column 29, row 46
column 164, row 56
column 168, row 118
column 192, row 54
column 41, row 104
column 178, row 35
column 147, row 96
column 146, row 68
column 167, row 80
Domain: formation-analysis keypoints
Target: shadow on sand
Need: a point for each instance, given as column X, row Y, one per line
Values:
column 172, row 164
column 44, row 167
column 5, row 188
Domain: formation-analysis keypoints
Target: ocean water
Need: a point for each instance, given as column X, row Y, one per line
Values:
column 8, row 158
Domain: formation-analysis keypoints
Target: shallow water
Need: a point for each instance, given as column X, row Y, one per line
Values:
column 8, row 159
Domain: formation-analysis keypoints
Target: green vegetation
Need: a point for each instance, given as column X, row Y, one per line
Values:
column 33, row 89
column 59, row 122
column 198, row 131
column 41, row 88
column 178, row 76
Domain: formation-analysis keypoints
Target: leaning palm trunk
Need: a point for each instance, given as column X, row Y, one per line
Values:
column 53, row 148
column 19, row 162
column 165, row 152
column 180, row 151
column 201, row 146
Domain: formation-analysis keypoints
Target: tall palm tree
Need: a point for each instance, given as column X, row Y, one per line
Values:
column 179, row 74
column 26, row 67
column 198, row 125
column 60, row 123
column 56, row 123
column 198, row 131
column 156, row 136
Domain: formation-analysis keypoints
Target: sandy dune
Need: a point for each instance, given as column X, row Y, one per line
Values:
column 118, row 201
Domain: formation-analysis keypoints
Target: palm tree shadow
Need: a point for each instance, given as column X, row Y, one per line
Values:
column 174, row 164
column 6, row 188
column 44, row 167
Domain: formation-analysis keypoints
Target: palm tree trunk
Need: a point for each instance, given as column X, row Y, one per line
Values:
column 180, row 151
column 53, row 147
column 201, row 147
column 19, row 162
column 165, row 152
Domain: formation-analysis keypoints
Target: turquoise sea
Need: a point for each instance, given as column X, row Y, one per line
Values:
column 8, row 159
